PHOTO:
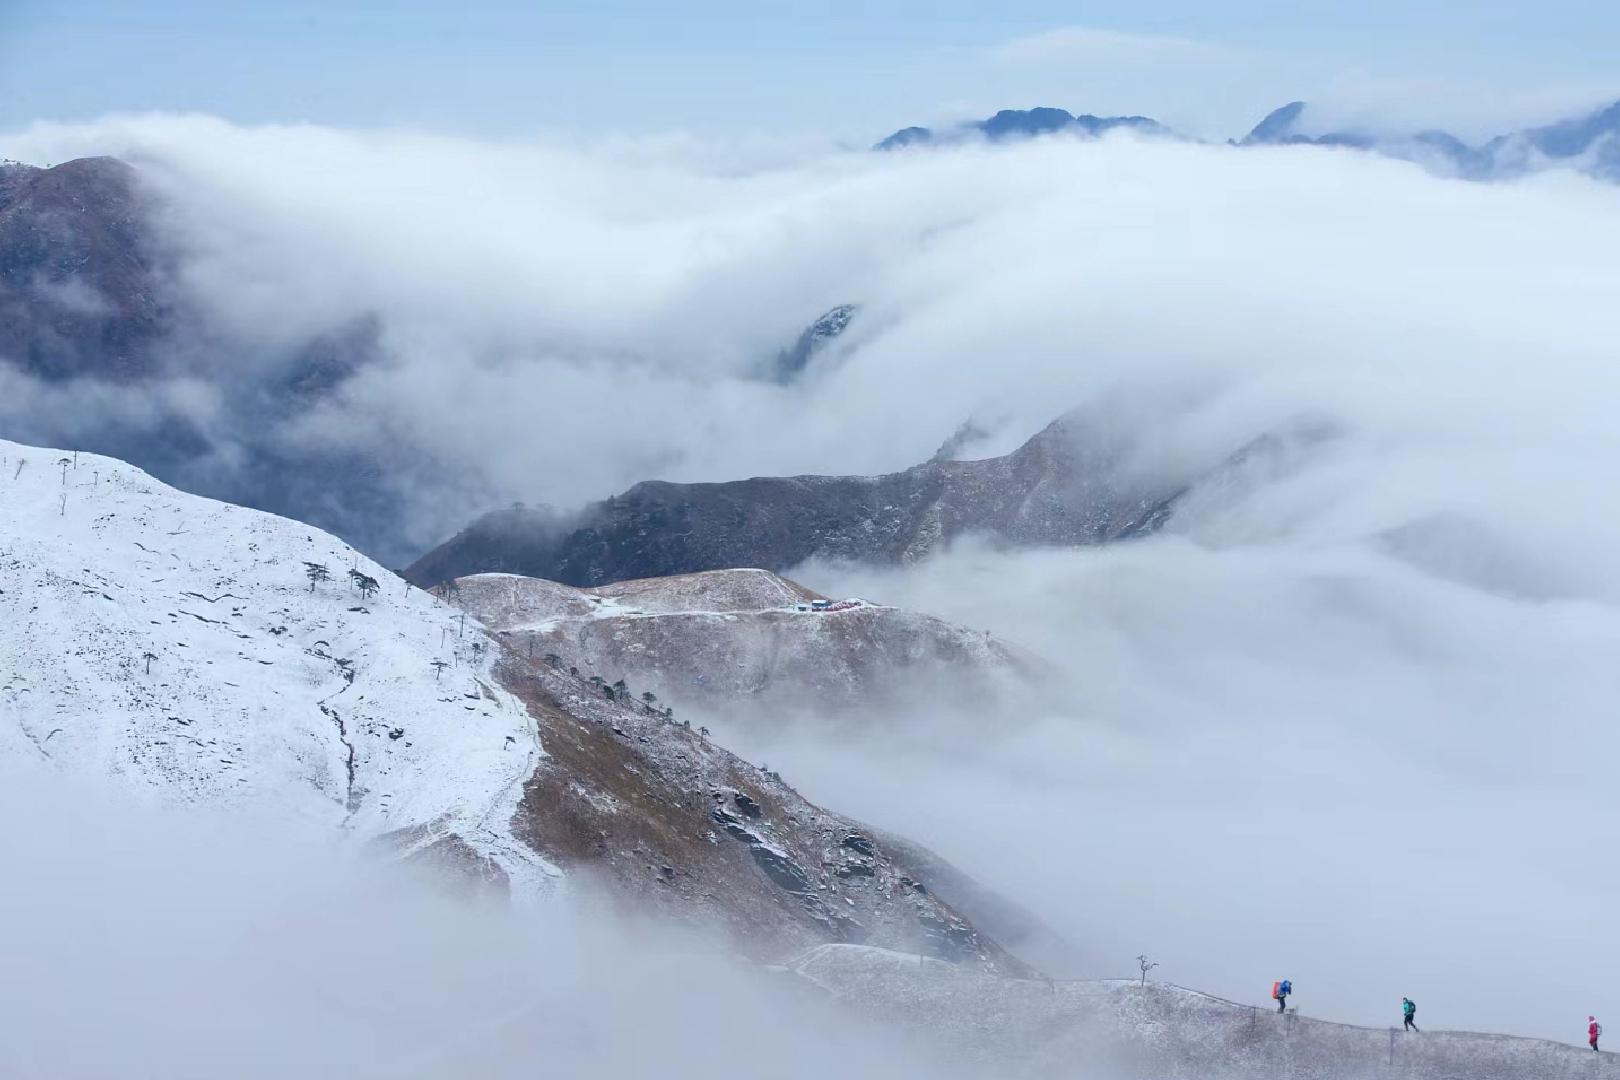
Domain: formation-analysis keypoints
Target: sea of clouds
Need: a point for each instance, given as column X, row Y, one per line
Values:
column 1348, row 721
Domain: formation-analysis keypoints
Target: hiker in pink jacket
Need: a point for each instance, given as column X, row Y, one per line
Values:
column 1593, row 1030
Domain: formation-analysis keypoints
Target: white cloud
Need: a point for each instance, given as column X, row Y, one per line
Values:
column 168, row 944
column 1085, row 45
column 1356, row 100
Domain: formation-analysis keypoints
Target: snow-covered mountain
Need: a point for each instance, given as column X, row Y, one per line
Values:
column 180, row 647
column 198, row 653
column 740, row 639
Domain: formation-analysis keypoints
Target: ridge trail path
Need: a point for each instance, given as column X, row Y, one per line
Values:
column 1120, row 1029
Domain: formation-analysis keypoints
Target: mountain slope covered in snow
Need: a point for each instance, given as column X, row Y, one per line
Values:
column 185, row 651
column 179, row 646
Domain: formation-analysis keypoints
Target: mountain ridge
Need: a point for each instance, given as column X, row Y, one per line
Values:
column 1021, row 124
column 1059, row 487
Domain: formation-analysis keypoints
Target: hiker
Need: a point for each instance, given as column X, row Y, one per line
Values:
column 1593, row 1030
column 1280, row 991
column 1408, row 1013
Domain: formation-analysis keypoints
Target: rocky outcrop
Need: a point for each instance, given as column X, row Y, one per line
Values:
column 1062, row 487
column 740, row 640
column 793, row 362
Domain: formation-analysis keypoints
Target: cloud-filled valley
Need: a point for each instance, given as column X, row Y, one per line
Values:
column 1345, row 719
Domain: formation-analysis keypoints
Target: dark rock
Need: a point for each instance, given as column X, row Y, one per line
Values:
column 781, row 869
column 857, row 842
column 748, row 806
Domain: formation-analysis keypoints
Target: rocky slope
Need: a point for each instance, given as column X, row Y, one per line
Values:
column 184, row 650
column 79, row 288
column 1061, row 487
column 737, row 640
column 1119, row 1030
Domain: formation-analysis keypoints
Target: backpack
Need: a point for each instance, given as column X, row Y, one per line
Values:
column 1407, row 1007
column 1276, row 990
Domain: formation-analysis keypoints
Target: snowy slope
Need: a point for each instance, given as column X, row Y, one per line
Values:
column 175, row 645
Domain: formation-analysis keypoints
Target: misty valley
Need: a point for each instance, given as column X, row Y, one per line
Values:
column 1041, row 593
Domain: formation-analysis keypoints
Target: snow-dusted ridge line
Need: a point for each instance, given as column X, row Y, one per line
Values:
column 745, row 639
column 1119, row 1027
column 176, row 645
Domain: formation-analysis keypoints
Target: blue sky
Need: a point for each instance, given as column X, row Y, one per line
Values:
column 840, row 69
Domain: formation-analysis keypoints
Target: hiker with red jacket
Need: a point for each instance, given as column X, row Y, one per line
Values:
column 1593, row 1030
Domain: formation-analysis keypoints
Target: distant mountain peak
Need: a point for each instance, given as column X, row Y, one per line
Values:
column 1021, row 124
column 1590, row 141
column 790, row 363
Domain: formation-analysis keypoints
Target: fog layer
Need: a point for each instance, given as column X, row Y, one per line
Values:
column 142, row 943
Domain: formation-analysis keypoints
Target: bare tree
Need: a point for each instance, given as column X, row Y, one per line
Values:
column 438, row 669
column 1146, row 965
column 64, row 463
column 148, row 657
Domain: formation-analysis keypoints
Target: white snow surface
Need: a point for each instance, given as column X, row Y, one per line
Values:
column 317, row 705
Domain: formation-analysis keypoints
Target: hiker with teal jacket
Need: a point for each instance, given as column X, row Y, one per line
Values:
column 1409, row 1013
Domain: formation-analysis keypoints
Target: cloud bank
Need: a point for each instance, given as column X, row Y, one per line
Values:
column 145, row 943
column 556, row 322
